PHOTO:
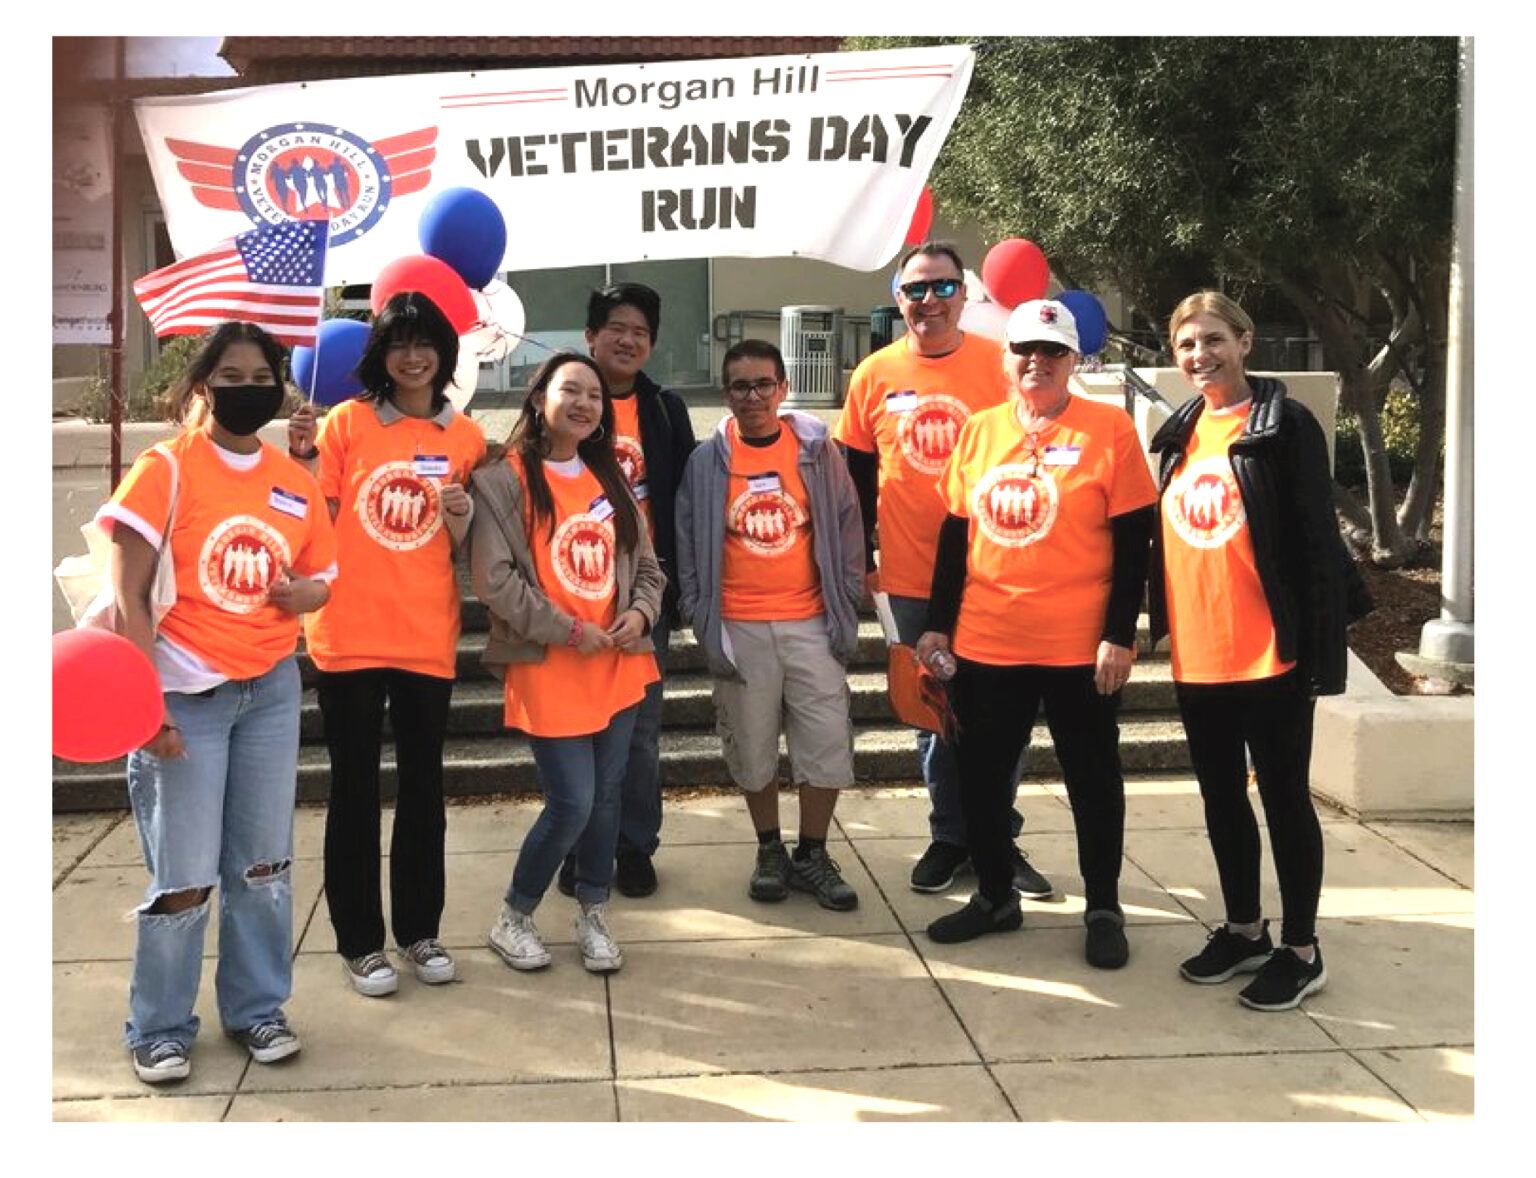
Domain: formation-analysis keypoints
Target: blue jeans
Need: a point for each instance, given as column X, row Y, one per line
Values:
column 640, row 805
column 221, row 816
column 941, row 772
column 580, row 777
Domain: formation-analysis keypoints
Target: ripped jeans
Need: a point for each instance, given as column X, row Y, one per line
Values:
column 221, row 818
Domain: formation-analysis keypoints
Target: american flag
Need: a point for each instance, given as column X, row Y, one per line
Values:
column 273, row 275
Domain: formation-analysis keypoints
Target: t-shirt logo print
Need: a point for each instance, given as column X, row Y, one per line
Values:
column 583, row 557
column 1204, row 505
column 399, row 509
column 928, row 433
column 1013, row 507
column 768, row 522
column 239, row 561
column 631, row 458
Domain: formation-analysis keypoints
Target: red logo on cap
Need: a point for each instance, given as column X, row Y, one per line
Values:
column 1047, row 313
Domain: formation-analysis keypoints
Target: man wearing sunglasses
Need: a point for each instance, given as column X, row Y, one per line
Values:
column 905, row 408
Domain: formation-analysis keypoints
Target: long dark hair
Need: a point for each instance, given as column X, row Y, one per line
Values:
column 528, row 441
column 178, row 399
column 408, row 317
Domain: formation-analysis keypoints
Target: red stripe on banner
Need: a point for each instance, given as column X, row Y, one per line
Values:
column 502, row 102
column 414, row 182
column 215, row 174
column 203, row 153
column 411, row 161
column 890, row 77
column 887, row 69
column 504, row 94
column 222, row 199
column 410, row 141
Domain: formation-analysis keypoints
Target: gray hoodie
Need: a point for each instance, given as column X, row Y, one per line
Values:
column 836, row 531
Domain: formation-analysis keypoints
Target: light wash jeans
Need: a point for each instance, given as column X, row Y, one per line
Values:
column 580, row 777
column 941, row 772
column 640, row 794
column 220, row 817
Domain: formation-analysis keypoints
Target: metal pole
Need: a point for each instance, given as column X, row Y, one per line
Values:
column 119, row 328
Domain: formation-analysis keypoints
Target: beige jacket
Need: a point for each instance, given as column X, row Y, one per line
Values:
column 523, row 620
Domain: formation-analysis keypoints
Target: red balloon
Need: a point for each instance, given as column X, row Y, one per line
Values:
column 1015, row 271
column 922, row 218
column 432, row 277
column 106, row 696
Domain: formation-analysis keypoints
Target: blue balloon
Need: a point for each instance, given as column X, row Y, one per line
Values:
column 464, row 228
column 1092, row 323
column 339, row 348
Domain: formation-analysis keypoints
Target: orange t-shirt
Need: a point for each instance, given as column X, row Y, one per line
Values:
column 396, row 600
column 1218, row 620
column 626, row 448
column 233, row 532
column 1041, row 548
column 572, row 694
column 768, row 566
column 909, row 409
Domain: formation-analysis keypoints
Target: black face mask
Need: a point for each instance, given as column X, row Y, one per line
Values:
column 242, row 409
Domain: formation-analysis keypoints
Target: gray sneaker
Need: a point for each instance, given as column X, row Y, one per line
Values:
column 161, row 1061
column 268, row 1042
column 770, row 878
column 517, row 941
column 430, row 961
column 817, row 873
column 371, row 974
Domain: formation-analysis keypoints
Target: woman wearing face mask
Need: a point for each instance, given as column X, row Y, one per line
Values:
column 392, row 465
column 213, row 792
column 561, row 558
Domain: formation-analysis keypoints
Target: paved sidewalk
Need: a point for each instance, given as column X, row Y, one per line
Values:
column 727, row 1009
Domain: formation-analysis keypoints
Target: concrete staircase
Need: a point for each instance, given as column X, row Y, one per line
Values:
column 483, row 758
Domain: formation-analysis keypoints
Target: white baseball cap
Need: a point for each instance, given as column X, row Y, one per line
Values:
column 1043, row 320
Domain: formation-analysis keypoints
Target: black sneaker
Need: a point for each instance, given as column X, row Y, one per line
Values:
column 817, row 872
column 161, row 1061
column 635, row 875
column 1284, row 981
column 1105, row 945
column 1029, row 883
column 1227, row 954
column 268, row 1042
column 770, row 876
column 566, row 880
column 936, row 870
column 976, row 919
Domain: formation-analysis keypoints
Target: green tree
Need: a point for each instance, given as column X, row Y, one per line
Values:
column 1321, row 169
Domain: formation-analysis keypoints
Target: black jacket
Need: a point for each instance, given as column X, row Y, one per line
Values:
column 666, row 439
column 1281, row 467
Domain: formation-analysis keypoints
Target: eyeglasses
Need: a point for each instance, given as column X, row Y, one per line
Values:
column 761, row 388
column 943, row 288
column 1045, row 347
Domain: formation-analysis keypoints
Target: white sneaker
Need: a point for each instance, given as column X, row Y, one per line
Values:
column 517, row 941
column 371, row 974
column 599, row 951
column 430, row 961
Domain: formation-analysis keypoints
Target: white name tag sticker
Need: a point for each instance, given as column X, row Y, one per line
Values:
column 641, row 490
column 1062, row 455
column 432, row 466
column 903, row 401
column 763, row 484
column 601, row 509
column 288, row 503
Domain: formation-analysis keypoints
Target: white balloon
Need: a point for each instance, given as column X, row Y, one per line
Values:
column 975, row 290
column 989, row 320
column 502, row 319
column 466, row 374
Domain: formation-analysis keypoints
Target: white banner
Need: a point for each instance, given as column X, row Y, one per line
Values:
column 820, row 155
column 82, row 227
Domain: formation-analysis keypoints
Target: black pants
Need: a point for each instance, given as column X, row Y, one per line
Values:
column 352, row 704
column 1272, row 719
column 996, row 709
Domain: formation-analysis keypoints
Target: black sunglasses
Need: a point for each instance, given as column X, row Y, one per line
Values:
column 1046, row 347
column 944, row 288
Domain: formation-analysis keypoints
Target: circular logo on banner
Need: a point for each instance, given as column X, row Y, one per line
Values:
column 767, row 521
column 928, row 433
column 313, row 172
column 1013, row 508
column 398, row 508
column 583, row 554
column 631, row 458
column 1204, row 505
column 239, row 561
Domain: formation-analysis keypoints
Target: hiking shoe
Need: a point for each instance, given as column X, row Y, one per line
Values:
column 1284, row 980
column 430, row 961
column 566, row 880
column 517, row 941
column 1105, row 945
column 770, row 878
column 635, row 876
column 268, row 1042
column 161, row 1061
column 978, row 918
column 1227, row 954
column 371, row 974
column 600, row 953
column 936, row 870
column 1028, row 882
column 817, row 873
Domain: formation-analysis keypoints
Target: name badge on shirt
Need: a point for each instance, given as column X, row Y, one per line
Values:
column 432, row 466
column 1062, row 455
column 641, row 490
column 763, row 484
column 903, row 401
column 288, row 503
column 600, row 509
